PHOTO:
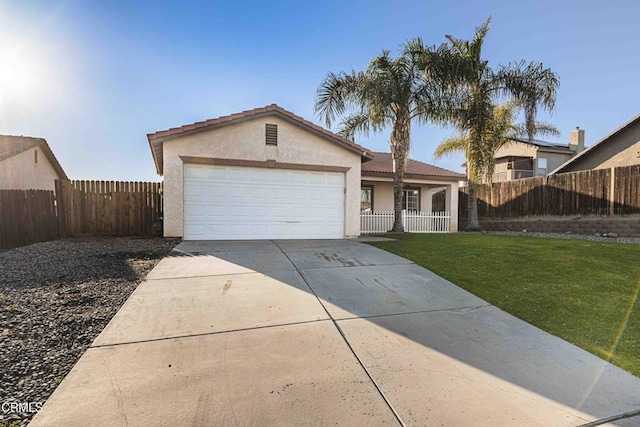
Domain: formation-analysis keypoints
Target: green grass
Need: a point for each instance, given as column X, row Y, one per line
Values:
column 585, row 292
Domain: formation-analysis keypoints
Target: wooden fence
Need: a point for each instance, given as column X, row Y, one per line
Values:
column 27, row 217
column 597, row 192
column 80, row 207
column 107, row 207
column 626, row 189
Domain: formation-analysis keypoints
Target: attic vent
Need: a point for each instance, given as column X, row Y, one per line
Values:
column 271, row 134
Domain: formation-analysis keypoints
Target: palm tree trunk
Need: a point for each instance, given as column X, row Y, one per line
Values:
column 398, row 196
column 400, row 140
column 472, row 224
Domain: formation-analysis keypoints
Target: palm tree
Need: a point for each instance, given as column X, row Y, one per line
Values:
column 532, row 84
column 391, row 92
column 471, row 88
column 501, row 130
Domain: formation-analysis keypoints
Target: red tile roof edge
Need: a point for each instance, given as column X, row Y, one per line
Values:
column 414, row 168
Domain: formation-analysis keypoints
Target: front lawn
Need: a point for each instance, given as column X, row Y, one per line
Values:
column 583, row 291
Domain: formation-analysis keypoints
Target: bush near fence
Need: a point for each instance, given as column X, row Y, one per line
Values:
column 80, row 207
column 600, row 192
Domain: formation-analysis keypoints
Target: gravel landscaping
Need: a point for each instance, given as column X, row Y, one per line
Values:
column 592, row 237
column 55, row 298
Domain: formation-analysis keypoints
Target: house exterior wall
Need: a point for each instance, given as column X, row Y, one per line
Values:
column 554, row 160
column 246, row 141
column 21, row 172
column 383, row 195
column 622, row 149
column 518, row 149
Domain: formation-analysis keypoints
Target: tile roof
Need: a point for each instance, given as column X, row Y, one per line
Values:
column 156, row 139
column 382, row 163
column 11, row 145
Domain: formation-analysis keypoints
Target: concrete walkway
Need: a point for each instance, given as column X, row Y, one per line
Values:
column 326, row 332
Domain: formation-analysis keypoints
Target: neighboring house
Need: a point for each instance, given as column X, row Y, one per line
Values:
column 262, row 174
column 521, row 158
column 28, row 164
column 421, row 182
column 620, row 148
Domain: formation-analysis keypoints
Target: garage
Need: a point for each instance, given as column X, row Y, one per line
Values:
column 264, row 173
column 245, row 203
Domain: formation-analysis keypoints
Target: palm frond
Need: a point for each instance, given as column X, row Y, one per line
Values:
column 336, row 93
column 355, row 123
column 532, row 86
column 451, row 146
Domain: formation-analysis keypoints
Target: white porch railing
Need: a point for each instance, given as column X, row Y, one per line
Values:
column 413, row 222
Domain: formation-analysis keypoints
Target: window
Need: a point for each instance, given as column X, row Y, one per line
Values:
column 411, row 200
column 542, row 166
column 271, row 134
column 35, row 155
column 366, row 199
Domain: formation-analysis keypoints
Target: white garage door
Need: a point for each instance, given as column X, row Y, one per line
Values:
column 240, row 203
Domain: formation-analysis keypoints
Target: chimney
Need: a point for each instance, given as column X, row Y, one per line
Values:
column 576, row 140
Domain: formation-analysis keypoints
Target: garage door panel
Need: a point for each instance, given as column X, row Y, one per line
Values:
column 228, row 202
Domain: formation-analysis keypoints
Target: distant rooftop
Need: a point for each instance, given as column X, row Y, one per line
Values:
column 555, row 146
column 540, row 143
column 12, row 145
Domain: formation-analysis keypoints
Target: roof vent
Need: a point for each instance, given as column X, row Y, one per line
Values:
column 271, row 134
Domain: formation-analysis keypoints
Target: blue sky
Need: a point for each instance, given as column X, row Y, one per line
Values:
column 93, row 78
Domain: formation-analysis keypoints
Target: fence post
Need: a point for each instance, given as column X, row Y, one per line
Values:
column 612, row 192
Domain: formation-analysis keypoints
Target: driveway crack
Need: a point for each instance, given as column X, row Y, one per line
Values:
column 341, row 332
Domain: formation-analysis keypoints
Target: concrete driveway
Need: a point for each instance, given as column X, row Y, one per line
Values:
column 326, row 333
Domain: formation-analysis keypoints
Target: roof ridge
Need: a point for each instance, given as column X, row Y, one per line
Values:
column 156, row 139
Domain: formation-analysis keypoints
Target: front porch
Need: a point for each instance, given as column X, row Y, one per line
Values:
column 426, row 206
column 430, row 193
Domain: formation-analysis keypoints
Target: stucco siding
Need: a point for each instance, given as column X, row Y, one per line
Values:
column 246, row 141
column 21, row 172
column 622, row 149
column 554, row 160
column 383, row 193
column 382, row 196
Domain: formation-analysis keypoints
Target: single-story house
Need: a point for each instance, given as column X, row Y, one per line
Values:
column 28, row 164
column 267, row 173
column 620, row 148
column 521, row 158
